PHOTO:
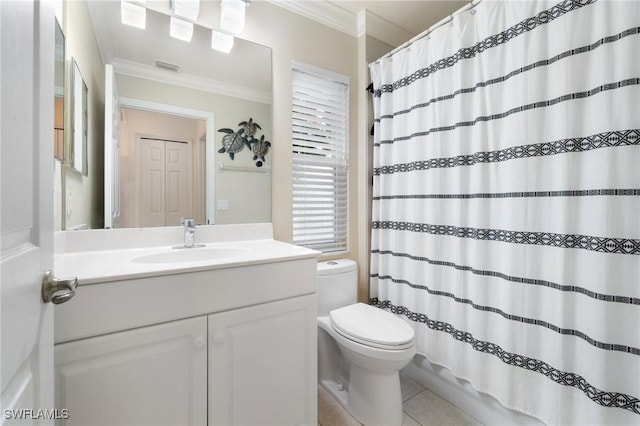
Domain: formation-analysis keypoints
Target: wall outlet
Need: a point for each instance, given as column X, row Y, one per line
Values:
column 222, row 204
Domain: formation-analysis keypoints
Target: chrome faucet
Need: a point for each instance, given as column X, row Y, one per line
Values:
column 189, row 232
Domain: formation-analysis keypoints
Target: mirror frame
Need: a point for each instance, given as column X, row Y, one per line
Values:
column 79, row 119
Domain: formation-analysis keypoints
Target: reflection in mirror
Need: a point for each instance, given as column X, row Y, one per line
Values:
column 162, row 172
column 58, row 125
column 58, row 122
column 79, row 121
column 222, row 89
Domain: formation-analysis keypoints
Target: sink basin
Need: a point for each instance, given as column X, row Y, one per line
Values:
column 191, row 255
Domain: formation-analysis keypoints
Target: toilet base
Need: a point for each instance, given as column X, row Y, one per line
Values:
column 337, row 390
column 373, row 399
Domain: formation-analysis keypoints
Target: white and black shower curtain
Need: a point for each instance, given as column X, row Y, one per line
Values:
column 506, row 209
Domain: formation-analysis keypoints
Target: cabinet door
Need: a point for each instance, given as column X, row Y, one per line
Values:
column 262, row 364
column 148, row 376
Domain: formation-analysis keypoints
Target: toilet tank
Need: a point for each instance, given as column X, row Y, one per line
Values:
column 337, row 285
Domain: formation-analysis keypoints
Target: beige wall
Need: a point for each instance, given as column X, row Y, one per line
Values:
column 87, row 195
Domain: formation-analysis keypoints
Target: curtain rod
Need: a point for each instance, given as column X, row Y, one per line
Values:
column 432, row 28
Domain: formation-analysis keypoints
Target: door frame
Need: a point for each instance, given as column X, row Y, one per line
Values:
column 209, row 117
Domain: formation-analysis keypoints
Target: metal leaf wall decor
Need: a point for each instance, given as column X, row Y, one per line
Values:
column 235, row 141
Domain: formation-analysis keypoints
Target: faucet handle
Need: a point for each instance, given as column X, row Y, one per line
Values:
column 188, row 222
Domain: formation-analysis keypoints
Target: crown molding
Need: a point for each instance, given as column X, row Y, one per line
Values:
column 383, row 30
column 189, row 81
column 324, row 12
column 333, row 16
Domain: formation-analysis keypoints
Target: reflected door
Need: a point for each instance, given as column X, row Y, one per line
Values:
column 164, row 182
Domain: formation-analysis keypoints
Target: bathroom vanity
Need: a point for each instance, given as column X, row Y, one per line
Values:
column 223, row 334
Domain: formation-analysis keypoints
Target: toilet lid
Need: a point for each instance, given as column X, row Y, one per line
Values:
column 372, row 326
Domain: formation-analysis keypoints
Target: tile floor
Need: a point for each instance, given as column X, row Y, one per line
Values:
column 421, row 408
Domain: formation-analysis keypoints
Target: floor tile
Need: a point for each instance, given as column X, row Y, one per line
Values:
column 408, row 421
column 421, row 408
column 409, row 388
column 428, row 409
column 331, row 413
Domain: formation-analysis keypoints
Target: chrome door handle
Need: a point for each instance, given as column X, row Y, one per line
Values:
column 57, row 291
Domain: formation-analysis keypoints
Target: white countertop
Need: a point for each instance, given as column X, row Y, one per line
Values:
column 114, row 265
column 99, row 256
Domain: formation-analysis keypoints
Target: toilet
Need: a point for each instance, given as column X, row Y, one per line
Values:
column 361, row 348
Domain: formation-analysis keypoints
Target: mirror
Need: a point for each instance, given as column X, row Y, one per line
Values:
column 58, row 125
column 215, row 89
column 59, row 80
column 77, row 152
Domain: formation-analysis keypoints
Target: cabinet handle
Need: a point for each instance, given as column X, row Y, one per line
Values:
column 57, row 291
column 199, row 342
column 218, row 338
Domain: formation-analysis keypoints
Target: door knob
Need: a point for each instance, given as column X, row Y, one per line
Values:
column 57, row 291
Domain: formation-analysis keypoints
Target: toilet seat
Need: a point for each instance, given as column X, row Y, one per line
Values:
column 372, row 326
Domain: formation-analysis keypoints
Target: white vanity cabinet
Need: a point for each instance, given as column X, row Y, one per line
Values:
column 219, row 345
column 154, row 375
column 261, row 365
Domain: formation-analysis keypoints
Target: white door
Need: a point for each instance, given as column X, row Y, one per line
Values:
column 111, row 151
column 26, row 193
column 178, row 182
column 164, row 182
column 151, row 182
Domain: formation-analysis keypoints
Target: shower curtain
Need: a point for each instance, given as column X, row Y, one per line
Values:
column 506, row 203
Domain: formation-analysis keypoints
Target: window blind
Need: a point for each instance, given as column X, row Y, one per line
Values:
column 320, row 152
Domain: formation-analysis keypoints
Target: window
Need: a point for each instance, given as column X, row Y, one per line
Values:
column 320, row 152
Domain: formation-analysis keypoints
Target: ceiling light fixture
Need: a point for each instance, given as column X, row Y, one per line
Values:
column 188, row 9
column 232, row 15
column 180, row 29
column 221, row 41
column 133, row 14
